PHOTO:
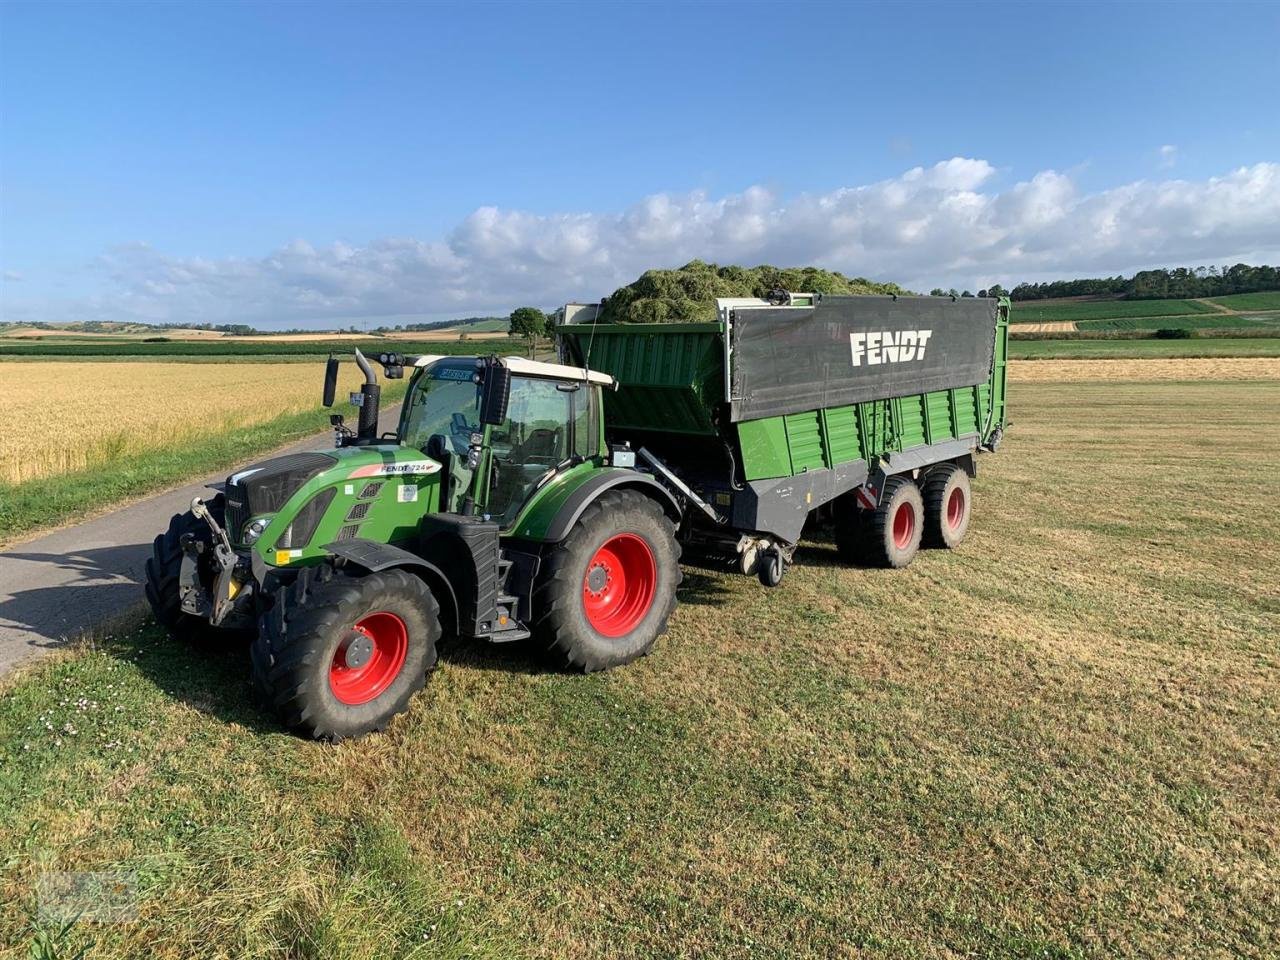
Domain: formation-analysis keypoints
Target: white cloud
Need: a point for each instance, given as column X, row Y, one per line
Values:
column 1168, row 156
column 944, row 225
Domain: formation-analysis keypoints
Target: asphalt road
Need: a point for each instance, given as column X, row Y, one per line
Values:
column 59, row 585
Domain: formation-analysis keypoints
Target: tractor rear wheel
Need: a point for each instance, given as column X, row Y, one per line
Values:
column 338, row 656
column 165, row 564
column 948, row 502
column 888, row 536
column 608, row 589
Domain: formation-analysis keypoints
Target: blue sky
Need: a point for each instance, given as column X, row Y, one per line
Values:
column 304, row 164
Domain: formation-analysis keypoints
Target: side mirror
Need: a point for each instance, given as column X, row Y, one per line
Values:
column 330, row 380
column 495, row 391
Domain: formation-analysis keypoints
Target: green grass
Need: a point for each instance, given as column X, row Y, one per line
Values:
column 1140, row 349
column 1266, row 300
column 25, row 507
column 1215, row 321
column 1032, row 311
column 1059, row 741
column 238, row 349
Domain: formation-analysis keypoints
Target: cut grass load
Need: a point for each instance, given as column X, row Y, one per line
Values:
column 1061, row 740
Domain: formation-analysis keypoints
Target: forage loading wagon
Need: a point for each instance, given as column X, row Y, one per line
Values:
column 870, row 408
column 520, row 499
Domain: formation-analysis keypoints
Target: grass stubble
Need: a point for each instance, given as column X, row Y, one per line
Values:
column 1062, row 740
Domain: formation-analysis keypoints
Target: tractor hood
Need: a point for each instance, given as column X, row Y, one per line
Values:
column 300, row 502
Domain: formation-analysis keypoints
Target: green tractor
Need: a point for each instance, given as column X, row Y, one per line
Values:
column 496, row 511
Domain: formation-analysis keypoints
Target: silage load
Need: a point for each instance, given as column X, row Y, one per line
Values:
column 689, row 294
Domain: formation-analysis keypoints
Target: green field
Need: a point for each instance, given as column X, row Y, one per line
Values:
column 1140, row 349
column 230, row 347
column 1214, row 321
column 1266, row 300
column 1033, row 311
column 1059, row 741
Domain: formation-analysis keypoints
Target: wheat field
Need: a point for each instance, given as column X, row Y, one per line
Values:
column 79, row 415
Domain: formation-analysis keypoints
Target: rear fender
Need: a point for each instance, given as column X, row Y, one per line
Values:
column 567, row 510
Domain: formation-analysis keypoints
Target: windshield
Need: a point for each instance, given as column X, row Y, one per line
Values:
column 445, row 402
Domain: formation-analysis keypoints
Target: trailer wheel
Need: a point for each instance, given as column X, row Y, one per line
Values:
column 608, row 589
column 165, row 564
column 770, row 569
column 889, row 536
column 948, row 505
column 338, row 656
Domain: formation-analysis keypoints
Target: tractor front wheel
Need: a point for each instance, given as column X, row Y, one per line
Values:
column 609, row 587
column 338, row 656
column 164, row 566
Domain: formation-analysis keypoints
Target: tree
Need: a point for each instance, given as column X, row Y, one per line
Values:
column 528, row 322
column 937, row 292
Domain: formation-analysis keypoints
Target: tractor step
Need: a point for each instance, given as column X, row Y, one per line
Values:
column 514, row 629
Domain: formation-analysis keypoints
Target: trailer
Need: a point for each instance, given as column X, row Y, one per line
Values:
column 868, row 410
column 521, row 500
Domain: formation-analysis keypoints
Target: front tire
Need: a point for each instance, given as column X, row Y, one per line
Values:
column 338, row 656
column 609, row 587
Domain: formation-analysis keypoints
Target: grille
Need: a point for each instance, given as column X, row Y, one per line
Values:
column 237, row 514
column 349, row 532
column 370, row 490
column 358, row 512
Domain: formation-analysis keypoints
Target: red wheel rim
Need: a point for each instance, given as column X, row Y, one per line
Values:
column 619, row 585
column 955, row 508
column 369, row 659
column 904, row 525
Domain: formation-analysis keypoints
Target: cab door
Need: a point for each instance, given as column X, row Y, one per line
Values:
column 548, row 424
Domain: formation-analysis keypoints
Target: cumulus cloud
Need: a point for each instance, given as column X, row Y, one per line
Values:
column 952, row 223
column 1168, row 156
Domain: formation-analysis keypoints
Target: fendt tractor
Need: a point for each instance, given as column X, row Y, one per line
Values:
column 518, row 498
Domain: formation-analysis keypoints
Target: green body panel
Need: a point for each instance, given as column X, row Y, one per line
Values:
column 670, row 375
column 541, row 509
column 389, row 517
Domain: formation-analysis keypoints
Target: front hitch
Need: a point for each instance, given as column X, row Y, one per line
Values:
column 216, row 603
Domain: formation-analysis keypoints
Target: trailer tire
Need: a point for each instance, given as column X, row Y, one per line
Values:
column 337, row 656
column 608, row 588
column 889, row 535
column 948, row 505
column 164, row 566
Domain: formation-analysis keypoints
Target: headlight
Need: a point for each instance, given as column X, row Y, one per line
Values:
column 253, row 529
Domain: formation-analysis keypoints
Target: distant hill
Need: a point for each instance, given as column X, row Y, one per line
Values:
column 690, row 293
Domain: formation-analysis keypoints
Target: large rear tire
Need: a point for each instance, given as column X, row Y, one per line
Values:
column 608, row 589
column 888, row 536
column 948, row 505
column 338, row 656
column 165, row 564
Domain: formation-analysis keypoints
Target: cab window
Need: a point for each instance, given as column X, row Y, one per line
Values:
column 535, row 439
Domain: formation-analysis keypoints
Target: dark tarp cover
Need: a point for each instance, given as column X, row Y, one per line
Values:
column 849, row 349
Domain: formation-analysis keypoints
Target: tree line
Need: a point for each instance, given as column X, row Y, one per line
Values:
column 1169, row 284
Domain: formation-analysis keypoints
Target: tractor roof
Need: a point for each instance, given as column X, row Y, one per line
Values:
column 534, row 368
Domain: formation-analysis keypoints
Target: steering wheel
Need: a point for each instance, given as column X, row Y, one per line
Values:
column 460, row 432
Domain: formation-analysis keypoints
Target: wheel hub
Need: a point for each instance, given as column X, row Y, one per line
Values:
column 358, row 650
column 597, row 579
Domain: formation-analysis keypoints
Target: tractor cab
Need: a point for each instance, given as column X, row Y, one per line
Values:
column 500, row 428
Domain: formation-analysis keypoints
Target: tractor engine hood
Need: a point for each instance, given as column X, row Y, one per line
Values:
column 265, row 487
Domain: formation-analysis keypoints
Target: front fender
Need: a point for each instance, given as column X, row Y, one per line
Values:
column 375, row 557
column 552, row 513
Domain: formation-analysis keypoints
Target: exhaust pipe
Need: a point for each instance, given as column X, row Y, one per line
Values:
column 367, row 430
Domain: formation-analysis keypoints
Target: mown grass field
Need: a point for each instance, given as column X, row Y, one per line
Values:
column 1266, row 300
column 1214, row 321
column 1034, row 311
column 1020, row 349
column 1061, row 741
